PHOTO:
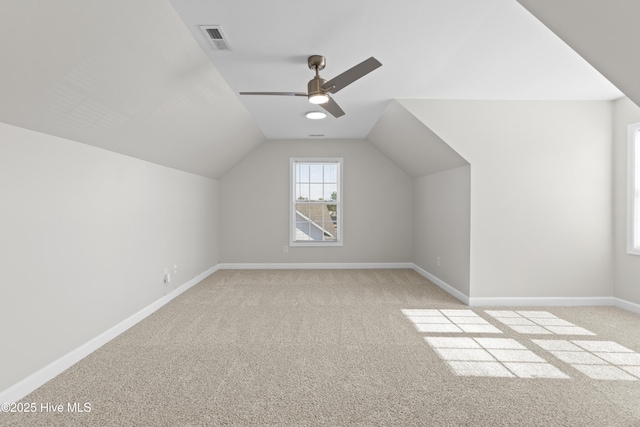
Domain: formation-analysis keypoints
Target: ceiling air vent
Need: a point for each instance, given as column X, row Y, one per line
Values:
column 215, row 36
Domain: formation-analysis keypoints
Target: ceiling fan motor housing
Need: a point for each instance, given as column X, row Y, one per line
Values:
column 315, row 86
column 315, row 93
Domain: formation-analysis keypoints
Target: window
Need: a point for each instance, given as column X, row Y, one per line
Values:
column 316, row 202
column 633, row 190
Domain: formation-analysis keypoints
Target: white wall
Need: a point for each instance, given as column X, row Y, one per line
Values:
column 541, row 191
column 627, row 267
column 377, row 214
column 85, row 237
column 411, row 145
column 441, row 221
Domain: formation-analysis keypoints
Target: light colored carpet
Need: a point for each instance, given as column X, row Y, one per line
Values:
column 326, row 347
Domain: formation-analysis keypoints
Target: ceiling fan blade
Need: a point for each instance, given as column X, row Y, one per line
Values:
column 333, row 108
column 351, row 75
column 275, row 93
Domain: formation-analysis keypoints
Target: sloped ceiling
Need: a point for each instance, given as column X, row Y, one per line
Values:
column 137, row 76
column 605, row 33
column 434, row 49
column 411, row 145
column 125, row 75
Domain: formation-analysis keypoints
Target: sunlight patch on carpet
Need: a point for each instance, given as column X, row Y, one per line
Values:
column 449, row 321
column 536, row 322
column 509, row 358
column 492, row 357
column 599, row 360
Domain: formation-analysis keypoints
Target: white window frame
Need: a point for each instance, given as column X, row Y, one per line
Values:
column 292, row 202
column 633, row 189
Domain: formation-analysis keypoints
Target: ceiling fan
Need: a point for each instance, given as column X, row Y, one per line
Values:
column 319, row 89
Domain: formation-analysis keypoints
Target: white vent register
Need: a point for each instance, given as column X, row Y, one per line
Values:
column 216, row 37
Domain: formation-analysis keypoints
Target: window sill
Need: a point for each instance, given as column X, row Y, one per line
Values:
column 311, row 244
column 633, row 251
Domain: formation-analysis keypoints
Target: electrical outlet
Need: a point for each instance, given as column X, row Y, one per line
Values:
column 166, row 273
column 286, row 249
column 175, row 268
column 438, row 260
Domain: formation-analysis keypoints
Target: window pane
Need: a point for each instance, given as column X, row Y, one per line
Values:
column 303, row 209
column 315, row 192
column 331, row 173
column 330, row 191
column 334, row 218
column 309, row 231
column 315, row 172
column 333, row 212
column 302, row 192
column 637, row 160
column 636, row 210
column 302, row 231
column 303, row 173
column 329, row 230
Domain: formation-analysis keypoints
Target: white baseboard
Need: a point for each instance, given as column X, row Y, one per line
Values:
column 540, row 301
column 313, row 265
column 442, row 284
column 37, row 379
column 627, row 305
column 529, row 302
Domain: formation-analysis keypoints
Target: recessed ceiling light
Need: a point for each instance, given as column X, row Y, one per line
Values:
column 315, row 115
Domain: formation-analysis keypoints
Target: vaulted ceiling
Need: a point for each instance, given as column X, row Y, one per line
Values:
column 138, row 76
column 605, row 33
column 463, row 49
column 126, row 76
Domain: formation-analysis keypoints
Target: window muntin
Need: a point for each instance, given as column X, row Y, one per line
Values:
column 633, row 190
column 316, row 202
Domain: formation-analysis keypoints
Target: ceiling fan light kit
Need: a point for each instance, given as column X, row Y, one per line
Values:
column 318, row 99
column 318, row 89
